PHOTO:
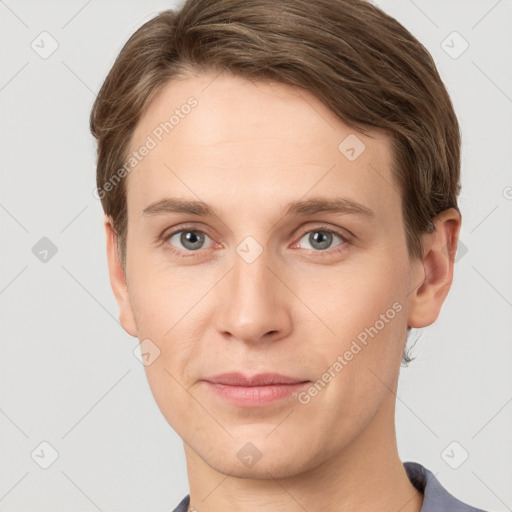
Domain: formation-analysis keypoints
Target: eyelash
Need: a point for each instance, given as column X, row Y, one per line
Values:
column 346, row 239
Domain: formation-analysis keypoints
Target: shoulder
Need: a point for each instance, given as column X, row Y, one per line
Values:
column 435, row 497
column 183, row 505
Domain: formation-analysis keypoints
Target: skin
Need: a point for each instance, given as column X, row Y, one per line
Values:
column 248, row 149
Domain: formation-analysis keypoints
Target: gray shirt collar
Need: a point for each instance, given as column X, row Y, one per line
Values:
column 435, row 497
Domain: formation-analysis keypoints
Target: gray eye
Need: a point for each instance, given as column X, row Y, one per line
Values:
column 319, row 239
column 189, row 239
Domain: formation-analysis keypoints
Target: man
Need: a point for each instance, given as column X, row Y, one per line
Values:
column 280, row 181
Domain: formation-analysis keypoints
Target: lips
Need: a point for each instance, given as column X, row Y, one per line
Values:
column 258, row 390
column 261, row 379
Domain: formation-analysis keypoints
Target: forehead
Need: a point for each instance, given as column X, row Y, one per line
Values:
column 212, row 135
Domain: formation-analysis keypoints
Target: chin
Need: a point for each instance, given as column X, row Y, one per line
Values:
column 259, row 456
column 266, row 468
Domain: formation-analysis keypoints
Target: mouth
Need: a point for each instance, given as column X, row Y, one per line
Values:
column 256, row 390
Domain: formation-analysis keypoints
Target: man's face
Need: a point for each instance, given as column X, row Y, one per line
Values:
column 252, row 289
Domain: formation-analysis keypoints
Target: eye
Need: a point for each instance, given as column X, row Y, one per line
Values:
column 321, row 239
column 187, row 241
column 190, row 240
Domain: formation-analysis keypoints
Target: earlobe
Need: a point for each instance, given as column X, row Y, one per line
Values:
column 433, row 275
column 118, row 280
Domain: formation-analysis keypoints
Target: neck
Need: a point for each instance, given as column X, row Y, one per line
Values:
column 365, row 475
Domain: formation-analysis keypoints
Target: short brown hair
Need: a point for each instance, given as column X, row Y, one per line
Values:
column 359, row 61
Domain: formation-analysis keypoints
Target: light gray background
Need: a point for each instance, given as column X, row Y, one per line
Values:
column 68, row 375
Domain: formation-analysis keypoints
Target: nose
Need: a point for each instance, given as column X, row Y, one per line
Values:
column 253, row 303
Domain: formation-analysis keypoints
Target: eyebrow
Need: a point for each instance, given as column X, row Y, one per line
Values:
column 338, row 205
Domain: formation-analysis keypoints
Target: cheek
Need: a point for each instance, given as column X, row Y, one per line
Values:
column 161, row 295
column 365, row 314
column 352, row 297
column 171, row 307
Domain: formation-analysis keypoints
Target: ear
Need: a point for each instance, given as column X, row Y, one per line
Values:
column 118, row 280
column 433, row 274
